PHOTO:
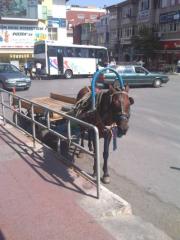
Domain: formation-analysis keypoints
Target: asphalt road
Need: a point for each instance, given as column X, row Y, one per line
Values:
column 145, row 170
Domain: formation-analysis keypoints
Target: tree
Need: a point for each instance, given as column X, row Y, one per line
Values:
column 146, row 42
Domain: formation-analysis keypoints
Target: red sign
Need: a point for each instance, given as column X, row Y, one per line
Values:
column 173, row 44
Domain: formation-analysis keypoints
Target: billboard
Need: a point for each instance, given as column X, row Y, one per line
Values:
column 21, row 36
column 19, row 8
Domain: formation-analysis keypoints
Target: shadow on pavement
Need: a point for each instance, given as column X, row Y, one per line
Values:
column 175, row 168
column 2, row 237
column 43, row 162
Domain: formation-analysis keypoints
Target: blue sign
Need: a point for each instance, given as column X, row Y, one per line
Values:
column 170, row 17
column 57, row 22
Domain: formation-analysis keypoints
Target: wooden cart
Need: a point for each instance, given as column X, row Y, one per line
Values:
column 55, row 102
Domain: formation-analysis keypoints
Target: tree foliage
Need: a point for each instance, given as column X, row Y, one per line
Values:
column 146, row 42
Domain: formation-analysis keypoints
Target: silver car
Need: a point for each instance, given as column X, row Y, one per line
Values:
column 11, row 77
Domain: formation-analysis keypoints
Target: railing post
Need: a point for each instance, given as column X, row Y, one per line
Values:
column 33, row 125
column 3, row 108
column 97, row 156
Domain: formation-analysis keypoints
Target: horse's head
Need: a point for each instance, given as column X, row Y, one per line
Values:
column 120, row 104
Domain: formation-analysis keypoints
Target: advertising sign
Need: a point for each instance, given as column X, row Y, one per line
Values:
column 171, row 44
column 18, row 8
column 21, row 37
column 56, row 22
column 170, row 17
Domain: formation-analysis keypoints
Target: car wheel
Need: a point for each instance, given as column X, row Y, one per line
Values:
column 157, row 83
column 68, row 74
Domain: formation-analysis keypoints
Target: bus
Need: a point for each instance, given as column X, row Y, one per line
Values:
column 69, row 59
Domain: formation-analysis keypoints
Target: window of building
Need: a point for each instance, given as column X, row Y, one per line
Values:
column 52, row 34
column 93, row 17
column 126, row 12
column 163, row 3
column 80, row 16
column 144, row 5
column 172, row 2
column 172, row 27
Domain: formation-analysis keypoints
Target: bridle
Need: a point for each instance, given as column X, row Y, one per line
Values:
column 121, row 115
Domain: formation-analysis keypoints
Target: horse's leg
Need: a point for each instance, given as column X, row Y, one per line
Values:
column 95, row 160
column 107, row 140
column 90, row 140
column 82, row 136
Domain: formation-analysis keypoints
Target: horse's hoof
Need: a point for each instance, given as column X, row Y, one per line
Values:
column 94, row 175
column 106, row 179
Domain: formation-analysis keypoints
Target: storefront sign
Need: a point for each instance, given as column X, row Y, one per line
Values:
column 21, row 37
column 170, row 17
column 171, row 44
column 57, row 22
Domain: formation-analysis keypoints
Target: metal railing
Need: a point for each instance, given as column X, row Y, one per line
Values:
column 8, row 109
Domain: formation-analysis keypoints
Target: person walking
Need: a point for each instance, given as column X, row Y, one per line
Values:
column 26, row 67
column 38, row 70
column 178, row 66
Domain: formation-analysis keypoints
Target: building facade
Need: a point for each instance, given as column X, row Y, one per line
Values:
column 168, row 19
column 24, row 22
column 128, row 17
column 80, row 20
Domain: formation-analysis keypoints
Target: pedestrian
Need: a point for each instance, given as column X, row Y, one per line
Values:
column 112, row 63
column 178, row 66
column 38, row 70
column 26, row 67
column 140, row 62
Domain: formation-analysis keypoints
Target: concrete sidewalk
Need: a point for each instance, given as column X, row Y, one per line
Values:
column 41, row 198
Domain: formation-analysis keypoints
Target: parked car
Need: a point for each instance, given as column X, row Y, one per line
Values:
column 11, row 76
column 133, row 75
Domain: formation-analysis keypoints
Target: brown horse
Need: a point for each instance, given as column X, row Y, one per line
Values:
column 111, row 116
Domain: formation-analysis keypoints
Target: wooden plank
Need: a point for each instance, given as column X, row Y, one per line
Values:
column 63, row 98
column 55, row 102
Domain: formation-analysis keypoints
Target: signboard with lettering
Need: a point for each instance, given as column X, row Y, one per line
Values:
column 19, row 9
column 57, row 22
column 170, row 17
column 171, row 44
column 20, row 36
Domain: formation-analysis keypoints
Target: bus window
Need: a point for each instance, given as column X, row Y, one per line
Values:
column 60, row 50
column 84, row 52
column 68, row 52
column 52, row 50
column 91, row 53
column 102, row 57
column 77, row 52
column 39, row 48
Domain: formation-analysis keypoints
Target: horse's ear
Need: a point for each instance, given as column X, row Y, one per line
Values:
column 131, row 100
column 127, row 88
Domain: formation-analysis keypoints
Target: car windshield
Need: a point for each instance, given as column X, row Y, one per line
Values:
column 7, row 68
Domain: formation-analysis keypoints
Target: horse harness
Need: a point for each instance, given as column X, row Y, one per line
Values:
column 93, row 115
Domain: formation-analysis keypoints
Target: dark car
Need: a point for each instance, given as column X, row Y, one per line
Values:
column 133, row 75
column 11, row 76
